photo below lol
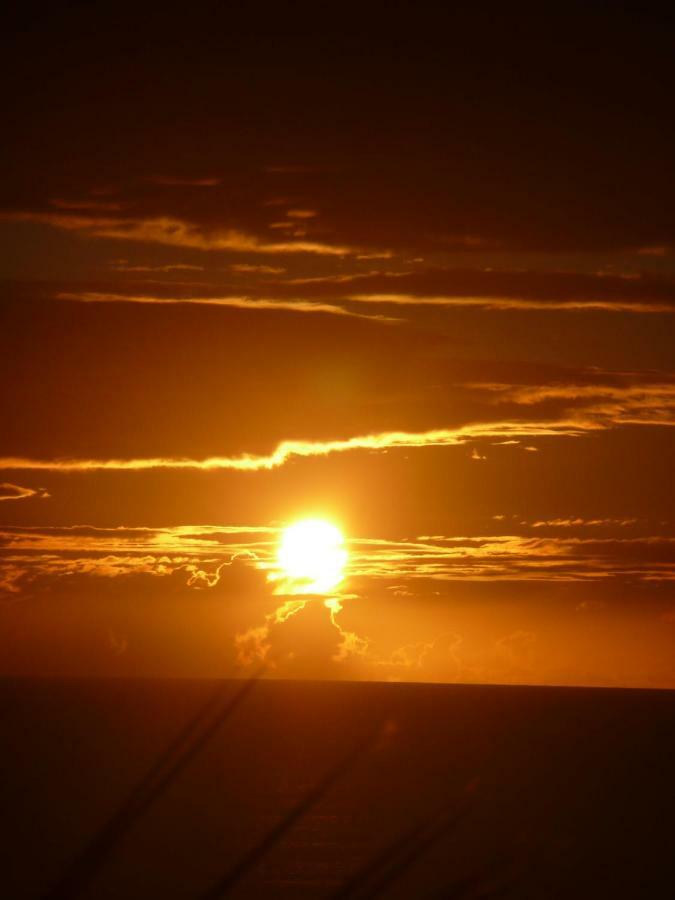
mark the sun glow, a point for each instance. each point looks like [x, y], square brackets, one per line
[312, 556]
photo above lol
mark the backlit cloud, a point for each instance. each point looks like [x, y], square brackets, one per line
[504, 303]
[123, 266]
[252, 303]
[18, 492]
[173, 232]
[496, 289]
[249, 268]
[288, 450]
[202, 550]
[579, 522]
[516, 558]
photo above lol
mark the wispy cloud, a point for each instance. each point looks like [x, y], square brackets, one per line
[512, 303]
[302, 213]
[579, 522]
[252, 268]
[516, 558]
[19, 492]
[182, 181]
[179, 539]
[494, 289]
[630, 399]
[120, 266]
[655, 250]
[251, 303]
[200, 553]
[173, 232]
[288, 450]
[643, 388]
[324, 280]
[87, 205]
[549, 404]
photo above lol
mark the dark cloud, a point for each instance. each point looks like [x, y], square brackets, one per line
[448, 127]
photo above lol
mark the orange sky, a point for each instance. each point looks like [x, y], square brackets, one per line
[416, 277]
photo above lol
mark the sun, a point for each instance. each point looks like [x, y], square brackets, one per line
[312, 556]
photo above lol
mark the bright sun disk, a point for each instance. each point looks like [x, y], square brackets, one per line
[312, 556]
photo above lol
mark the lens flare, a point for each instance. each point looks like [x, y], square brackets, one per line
[312, 557]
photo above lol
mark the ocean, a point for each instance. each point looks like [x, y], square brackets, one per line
[165, 789]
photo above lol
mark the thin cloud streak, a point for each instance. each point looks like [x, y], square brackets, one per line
[644, 392]
[599, 407]
[579, 522]
[287, 450]
[175, 267]
[201, 554]
[640, 403]
[509, 303]
[510, 557]
[248, 541]
[18, 492]
[301, 306]
[172, 232]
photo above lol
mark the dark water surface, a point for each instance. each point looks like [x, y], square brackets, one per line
[560, 792]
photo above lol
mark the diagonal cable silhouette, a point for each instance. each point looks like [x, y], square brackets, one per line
[181, 751]
[379, 873]
[251, 858]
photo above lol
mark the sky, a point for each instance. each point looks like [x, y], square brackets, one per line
[409, 270]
